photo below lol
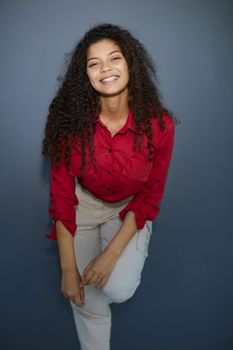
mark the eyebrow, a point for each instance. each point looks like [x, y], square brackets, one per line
[96, 58]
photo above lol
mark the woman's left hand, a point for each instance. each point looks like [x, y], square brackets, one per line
[99, 269]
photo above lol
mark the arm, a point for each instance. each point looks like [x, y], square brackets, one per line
[145, 203]
[63, 199]
[123, 236]
[62, 210]
[70, 280]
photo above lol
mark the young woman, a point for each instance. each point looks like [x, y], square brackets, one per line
[110, 141]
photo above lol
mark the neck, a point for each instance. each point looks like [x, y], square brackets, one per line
[115, 108]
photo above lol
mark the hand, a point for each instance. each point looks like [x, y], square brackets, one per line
[72, 287]
[99, 269]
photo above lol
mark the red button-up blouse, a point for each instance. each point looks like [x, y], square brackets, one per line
[120, 172]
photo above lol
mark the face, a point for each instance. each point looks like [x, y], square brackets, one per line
[107, 68]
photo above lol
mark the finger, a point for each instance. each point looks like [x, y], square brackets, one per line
[99, 284]
[98, 280]
[82, 283]
[87, 267]
[102, 282]
[77, 300]
[82, 295]
[88, 270]
[89, 277]
[85, 274]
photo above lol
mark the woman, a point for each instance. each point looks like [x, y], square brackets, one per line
[110, 141]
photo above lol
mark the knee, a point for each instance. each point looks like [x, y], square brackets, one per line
[118, 294]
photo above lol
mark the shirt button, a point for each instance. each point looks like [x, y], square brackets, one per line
[158, 181]
[108, 188]
[109, 172]
[54, 178]
[110, 150]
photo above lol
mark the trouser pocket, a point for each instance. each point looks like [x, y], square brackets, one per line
[143, 238]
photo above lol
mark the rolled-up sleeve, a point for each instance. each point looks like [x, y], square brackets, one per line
[63, 199]
[144, 204]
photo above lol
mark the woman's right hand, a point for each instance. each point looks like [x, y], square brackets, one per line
[71, 286]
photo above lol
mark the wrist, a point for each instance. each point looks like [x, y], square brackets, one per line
[69, 269]
[113, 251]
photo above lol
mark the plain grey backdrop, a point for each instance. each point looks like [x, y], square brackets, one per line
[185, 300]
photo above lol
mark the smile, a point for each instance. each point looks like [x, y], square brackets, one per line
[111, 78]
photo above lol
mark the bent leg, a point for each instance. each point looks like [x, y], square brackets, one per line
[126, 275]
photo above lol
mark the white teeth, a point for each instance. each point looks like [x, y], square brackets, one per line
[113, 77]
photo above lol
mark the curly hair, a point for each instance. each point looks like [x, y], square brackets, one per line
[75, 108]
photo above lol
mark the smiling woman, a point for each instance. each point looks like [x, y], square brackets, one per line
[107, 68]
[108, 73]
[110, 142]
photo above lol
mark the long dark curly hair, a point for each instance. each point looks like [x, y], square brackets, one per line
[75, 108]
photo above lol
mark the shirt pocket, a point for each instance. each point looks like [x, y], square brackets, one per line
[137, 168]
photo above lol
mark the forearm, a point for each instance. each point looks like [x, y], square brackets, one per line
[123, 235]
[66, 247]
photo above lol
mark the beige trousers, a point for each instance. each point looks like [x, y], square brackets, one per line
[98, 222]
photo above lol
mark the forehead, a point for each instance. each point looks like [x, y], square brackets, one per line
[102, 47]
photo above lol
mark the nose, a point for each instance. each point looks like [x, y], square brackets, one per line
[105, 68]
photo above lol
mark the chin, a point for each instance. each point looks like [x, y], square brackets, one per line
[114, 92]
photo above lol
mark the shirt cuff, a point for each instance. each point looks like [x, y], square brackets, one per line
[71, 227]
[139, 216]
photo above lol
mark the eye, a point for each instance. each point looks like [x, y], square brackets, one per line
[92, 65]
[116, 58]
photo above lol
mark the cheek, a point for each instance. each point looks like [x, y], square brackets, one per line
[126, 70]
[91, 77]
[126, 74]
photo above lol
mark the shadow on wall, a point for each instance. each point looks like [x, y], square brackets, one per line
[51, 248]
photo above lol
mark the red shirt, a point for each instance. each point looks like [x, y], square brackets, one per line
[120, 172]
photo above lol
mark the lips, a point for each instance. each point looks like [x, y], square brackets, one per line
[110, 78]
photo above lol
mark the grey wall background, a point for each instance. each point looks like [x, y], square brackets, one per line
[185, 299]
